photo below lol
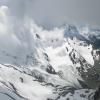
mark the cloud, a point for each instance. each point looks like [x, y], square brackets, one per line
[16, 38]
[51, 13]
[3, 19]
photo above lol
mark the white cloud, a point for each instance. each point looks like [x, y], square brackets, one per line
[3, 19]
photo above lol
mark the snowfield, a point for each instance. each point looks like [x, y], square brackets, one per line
[16, 84]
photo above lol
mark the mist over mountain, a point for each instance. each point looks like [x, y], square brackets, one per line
[38, 63]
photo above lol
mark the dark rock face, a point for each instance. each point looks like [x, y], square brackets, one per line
[71, 31]
[83, 84]
[50, 69]
[97, 94]
[37, 35]
[95, 42]
[46, 56]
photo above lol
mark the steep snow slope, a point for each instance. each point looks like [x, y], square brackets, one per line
[36, 64]
[16, 84]
[21, 85]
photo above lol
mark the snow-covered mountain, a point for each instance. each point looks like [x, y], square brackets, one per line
[37, 64]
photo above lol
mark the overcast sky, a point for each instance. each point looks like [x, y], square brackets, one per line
[51, 13]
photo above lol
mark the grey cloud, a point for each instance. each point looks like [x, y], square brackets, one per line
[49, 13]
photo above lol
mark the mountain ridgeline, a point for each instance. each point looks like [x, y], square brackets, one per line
[37, 64]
